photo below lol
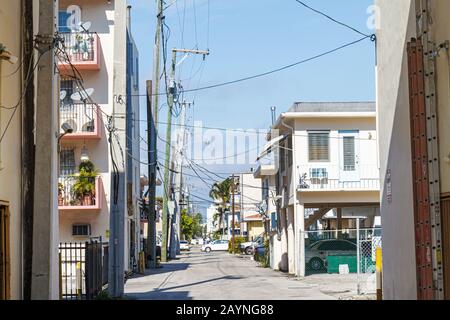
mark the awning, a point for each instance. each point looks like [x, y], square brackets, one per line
[269, 145]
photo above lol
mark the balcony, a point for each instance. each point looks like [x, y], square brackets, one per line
[80, 50]
[77, 193]
[84, 119]
[338, 178]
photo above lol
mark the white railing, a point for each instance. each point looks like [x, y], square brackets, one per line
[332, 177]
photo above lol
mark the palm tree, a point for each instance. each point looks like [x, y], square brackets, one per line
[221, 191]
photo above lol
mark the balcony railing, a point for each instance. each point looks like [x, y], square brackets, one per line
[83, 119]
[336, 178]
[79, 193]
[81, 49]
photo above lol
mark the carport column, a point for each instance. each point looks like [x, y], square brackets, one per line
[284, 241]
[291, 239]
[299, 211]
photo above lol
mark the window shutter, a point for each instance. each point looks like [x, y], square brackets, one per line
[349, 153]
[319, 146]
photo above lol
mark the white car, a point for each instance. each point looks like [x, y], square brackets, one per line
[217, 245]
[184, 246]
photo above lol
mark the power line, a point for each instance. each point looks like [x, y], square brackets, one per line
[275, 70]
[333, 19]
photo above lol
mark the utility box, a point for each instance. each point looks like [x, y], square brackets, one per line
[334, 262]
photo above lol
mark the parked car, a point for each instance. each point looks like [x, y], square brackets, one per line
[217, 245]
[249, 247]
[184, 246]
[316, 254]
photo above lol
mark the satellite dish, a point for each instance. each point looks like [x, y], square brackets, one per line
[62, 95]
[85, 26]
[82, 95]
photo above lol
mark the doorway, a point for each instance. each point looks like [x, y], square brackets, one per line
[349, 156]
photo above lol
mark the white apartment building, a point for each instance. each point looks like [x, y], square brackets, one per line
[109, 75]
[320, 157]
[211, 224]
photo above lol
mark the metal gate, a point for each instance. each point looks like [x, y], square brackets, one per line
[83, 270]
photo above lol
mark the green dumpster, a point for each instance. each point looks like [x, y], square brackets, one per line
[334, 262]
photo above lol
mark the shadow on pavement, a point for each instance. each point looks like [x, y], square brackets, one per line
[157, 295]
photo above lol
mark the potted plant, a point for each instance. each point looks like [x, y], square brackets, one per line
[60, 194]
[84, 187]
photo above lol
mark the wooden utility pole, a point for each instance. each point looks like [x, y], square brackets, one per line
[165, 215]
[172, 92]
[28, 150]
[152, 161]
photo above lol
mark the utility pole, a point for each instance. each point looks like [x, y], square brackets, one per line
[157, 61]
[175, 239]
[233, 190]
[45, 284]
[172, 91]
[116, 279]
[28, 151]
[152, 161]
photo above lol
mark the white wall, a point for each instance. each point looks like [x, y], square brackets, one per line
[366, 142]
[399, 265]
[10, 148]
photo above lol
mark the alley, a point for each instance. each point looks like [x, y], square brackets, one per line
[201, 276]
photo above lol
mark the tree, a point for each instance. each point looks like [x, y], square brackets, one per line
[221, 191]
[191, 225]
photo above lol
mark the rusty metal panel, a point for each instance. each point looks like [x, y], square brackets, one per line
[445, 206]
[419, 149]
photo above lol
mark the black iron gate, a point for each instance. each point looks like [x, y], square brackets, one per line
[83, 270]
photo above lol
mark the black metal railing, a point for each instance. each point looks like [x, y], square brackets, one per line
[81, 117]
[76, 191]
[79, 47]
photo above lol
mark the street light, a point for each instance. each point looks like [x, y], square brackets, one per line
[84, 154]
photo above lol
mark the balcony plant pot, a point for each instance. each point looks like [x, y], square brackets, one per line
[84, 187]
[60, 194]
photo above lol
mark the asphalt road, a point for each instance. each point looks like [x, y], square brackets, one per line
[219, 276]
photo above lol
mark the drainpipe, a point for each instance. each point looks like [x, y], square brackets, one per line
[299, 215]
[129, 19]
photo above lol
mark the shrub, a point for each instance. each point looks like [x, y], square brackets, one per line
[237, 244]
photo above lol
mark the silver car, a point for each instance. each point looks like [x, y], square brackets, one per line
[316, 254]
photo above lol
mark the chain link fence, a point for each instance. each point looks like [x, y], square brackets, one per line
[348, 254]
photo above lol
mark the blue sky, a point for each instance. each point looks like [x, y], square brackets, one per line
[248, 37]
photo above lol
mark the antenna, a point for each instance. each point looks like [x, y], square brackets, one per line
[83, 96]
[62, 95]
[84, 26]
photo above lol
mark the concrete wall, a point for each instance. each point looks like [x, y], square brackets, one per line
[397, 26]
[10, 147]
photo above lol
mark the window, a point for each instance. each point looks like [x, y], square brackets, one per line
[349, 154]
[282, 156]
[63, 19]
[290, 158]
[68, 86]
[273, 221]
[5, 267]
[319, 176]
[67, 164]
[319, 146]
[81, 230]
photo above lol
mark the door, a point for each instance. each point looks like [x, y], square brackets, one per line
[349, 156]
[5, 267]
